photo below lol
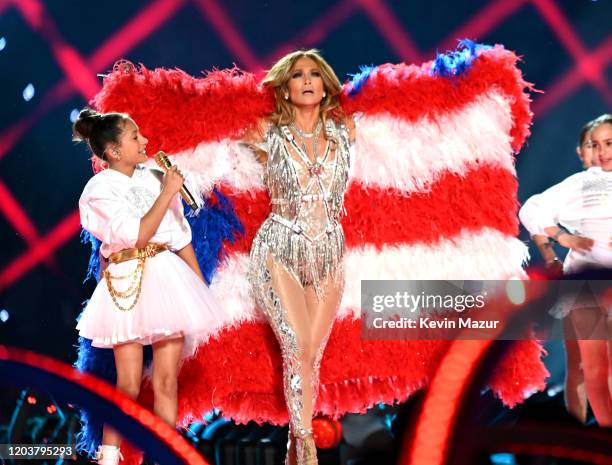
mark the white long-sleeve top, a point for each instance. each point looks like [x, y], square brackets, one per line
[582, 204]
[113, 203]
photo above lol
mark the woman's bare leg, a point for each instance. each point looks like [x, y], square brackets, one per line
[322, 310]
[590, 327]
[575, 391]
[282, 299]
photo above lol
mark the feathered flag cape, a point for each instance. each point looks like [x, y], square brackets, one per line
[432, 195]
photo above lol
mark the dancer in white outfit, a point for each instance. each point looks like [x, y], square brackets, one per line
[574, 390]
[582, 204]
[152, 291]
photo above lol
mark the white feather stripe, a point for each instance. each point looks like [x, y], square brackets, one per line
[232, 290]
[487, 254]
[225, 162]
[392, 153]
[389, 152]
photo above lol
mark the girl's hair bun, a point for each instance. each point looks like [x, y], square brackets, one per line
[85, 122]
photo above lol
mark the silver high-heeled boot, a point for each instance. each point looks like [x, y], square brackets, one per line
[305, 449]
[290, 457]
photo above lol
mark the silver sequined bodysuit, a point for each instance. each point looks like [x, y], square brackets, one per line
[303, 234]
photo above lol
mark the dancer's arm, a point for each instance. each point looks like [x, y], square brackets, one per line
[352, 130]
[553, 264]
[541, 213]
[571, 241]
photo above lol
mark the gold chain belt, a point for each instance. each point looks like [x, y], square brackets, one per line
[150, 250]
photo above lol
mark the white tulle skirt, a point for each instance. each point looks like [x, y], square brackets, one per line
[173, 302]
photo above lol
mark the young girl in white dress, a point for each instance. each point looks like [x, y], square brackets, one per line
[152, 290]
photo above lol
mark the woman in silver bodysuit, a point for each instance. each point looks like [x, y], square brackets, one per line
[296, 269]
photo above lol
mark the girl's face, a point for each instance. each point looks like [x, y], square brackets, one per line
[601, 142]
[305, 83]
[132, 144]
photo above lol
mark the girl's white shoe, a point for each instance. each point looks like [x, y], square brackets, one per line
[108, 455]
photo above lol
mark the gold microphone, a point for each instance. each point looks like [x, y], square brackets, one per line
[164, 163]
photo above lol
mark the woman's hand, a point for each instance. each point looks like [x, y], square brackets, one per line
[173, 181]
[574, 242]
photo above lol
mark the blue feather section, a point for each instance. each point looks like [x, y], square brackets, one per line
[93, 268]
[457, 62]
[216, 222]
[358, 80]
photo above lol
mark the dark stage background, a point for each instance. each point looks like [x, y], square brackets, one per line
[50, 53]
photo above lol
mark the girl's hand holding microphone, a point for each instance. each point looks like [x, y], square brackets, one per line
[173, 181]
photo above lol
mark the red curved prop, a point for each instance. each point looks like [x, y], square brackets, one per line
[442, 402]
[429, 441]
[134, 422]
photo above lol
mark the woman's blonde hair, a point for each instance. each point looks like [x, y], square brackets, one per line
[278, 76]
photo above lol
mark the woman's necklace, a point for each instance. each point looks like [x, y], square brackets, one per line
[307, 135]
[316, 133]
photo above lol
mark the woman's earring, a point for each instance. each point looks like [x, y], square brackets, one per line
[324, 94]
[286, 96]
